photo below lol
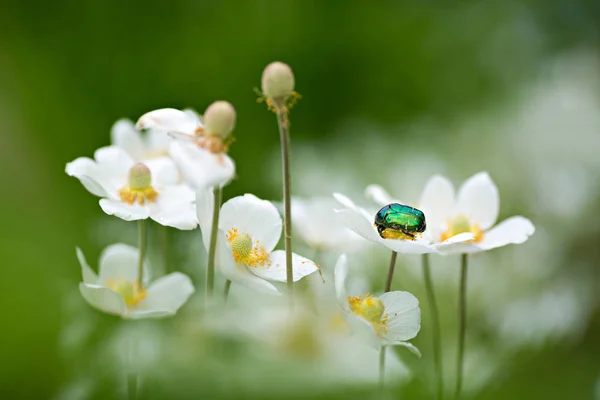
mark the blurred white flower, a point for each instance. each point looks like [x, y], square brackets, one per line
[115, 290]
[200, 157]
[249, 230]
[136, 191]
[390, 319]
[315, 222]
[360, 222]
[140, 146]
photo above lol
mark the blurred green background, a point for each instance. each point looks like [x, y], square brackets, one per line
[406, 77]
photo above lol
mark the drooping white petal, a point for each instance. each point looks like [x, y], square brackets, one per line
[124, 135]
[204, 212]
[340, 274]
[239, 273]
[163, 170]
[511, 230]
[478, 199]
[103, 298]
[168, 293]
[253, 216]
[168, 119]
[412, 348]
[125, 211]
[201, 168]
[403, 315]
[86, 171]
[379, 195]
[120, 261]
[437, 203]
[175, 207]
[89, 276]
[276, 270]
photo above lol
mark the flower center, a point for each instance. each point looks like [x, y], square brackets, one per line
[371, 309]
[246, 251]
[139, 186]
[131, 291]
[461, 224]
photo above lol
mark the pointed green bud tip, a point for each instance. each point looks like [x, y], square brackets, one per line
[219, 119]
[139, 177]
[278, 81]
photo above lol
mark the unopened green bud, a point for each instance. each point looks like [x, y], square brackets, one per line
[219, 119]
[139, 177]
[278, 81]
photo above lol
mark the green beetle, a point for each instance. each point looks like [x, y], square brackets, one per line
[398, 221]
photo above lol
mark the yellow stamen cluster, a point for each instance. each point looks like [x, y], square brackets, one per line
[371, 309]
[246, 251]
[131, 291]
[141, 196]
[461, 224]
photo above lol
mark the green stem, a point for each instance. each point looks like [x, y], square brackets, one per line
[381, 366]
[284, 124]
[142, 250]
[462, 323]
[227, 288]
[388, 287]
[212, 248]
[163, 238]
[435, 323]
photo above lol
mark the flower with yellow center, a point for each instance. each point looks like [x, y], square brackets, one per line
[115, 289]
[249, 230]
[472, 211]
[201, 149]
[390, 319]
[134, 191]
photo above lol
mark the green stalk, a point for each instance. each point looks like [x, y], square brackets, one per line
[142, 250]
[227, 287]
[163, 238]
[388, 287]
[462, 328]
[212, 248]
[284, 124]
[435, 324]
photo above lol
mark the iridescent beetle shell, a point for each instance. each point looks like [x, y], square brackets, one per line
[398, 221]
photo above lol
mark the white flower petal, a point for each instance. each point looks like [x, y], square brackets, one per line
[113, 160]
[167, 293]
[120, 261]
[413, 349]
[379, 195]
[163, 170]
[205, 201]
[358, 223]
[89, 276]
[124, 211]
[418, 246]
[403, 315]
[363, 329]
[276, 271]
[478, 199]
[175, 207]
[103, 298]
[340, 274]
[456, 244]
[168, 119]
[156, 144]
[345, 201]
[201, 168]
[253, 216]
[437, 203]
[86, 170]
[237, 273]
[512, 230]
[143, 314]
[124, 136]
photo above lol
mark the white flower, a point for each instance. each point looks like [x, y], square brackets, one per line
[140, 146]
[473, 210]
[362, 223]
[315, 222]
[115, 290]
[136, 191]
[390, 319]
[249, 229]
[201, 159]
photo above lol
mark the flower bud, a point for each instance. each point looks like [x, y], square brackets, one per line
[139, 177]
[278, 81]
[219, 119]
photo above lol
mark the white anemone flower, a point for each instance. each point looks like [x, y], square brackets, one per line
[249, 230]
[315, 222]
[115, 289]
[361, 222]
[140, 146]
[474, 209]
[201, 158]
[390, 319]
[133, 191]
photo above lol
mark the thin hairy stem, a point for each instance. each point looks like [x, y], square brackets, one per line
[435, 324]
[462, 327]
